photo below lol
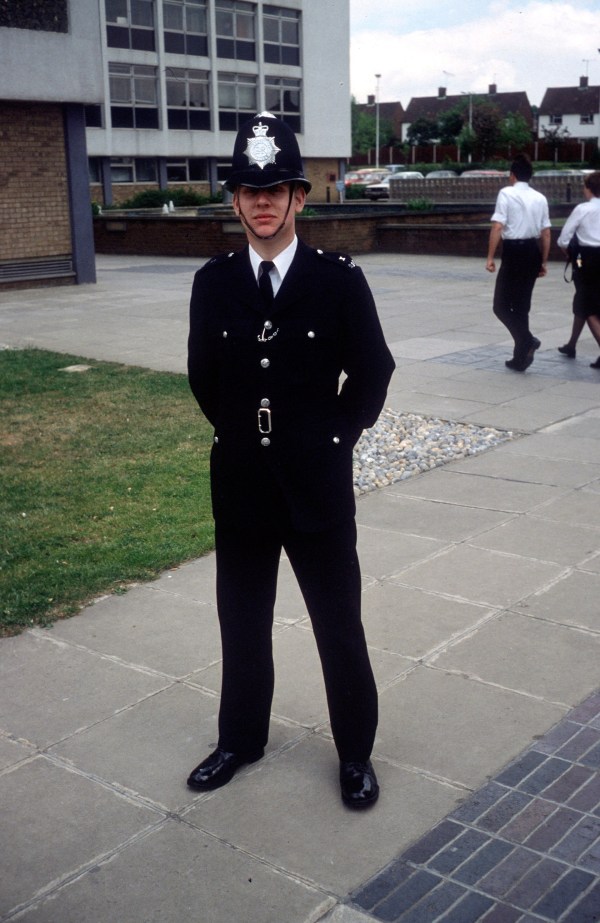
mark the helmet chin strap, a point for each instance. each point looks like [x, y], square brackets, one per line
[281, 226]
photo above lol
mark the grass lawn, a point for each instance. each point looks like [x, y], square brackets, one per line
[104, 480]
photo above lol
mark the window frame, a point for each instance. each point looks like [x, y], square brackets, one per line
[281, 51]
[130, 33]
[135, 111]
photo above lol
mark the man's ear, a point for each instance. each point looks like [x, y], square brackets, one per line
[299, 197]
[236, 202]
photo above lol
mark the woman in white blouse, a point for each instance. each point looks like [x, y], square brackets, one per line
[584, 224]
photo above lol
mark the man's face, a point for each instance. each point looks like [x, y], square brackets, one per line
[265, 209]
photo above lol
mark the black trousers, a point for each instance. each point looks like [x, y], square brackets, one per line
[520, 267]
[326, 567]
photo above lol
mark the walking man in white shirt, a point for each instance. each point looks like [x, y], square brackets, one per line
[521, 220]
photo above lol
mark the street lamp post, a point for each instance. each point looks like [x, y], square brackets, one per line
[470, 95]
[377, 77]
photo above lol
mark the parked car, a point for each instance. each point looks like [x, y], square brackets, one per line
[469, 173]
[378, 190]
[382, 190]
[441, 174]
[559, 173]
[370, 175]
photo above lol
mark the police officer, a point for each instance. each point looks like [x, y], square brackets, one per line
[522, 222]
[273, 330]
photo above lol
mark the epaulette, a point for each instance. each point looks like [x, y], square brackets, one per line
[342, 259]
[217, 261]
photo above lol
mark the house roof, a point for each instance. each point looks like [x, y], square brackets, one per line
[431, 107]
[581, 100]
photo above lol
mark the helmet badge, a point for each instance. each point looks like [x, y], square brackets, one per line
[261, 149]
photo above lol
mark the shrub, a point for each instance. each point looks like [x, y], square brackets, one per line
[181, 197]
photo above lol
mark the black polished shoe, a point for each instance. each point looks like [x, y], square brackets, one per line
[569, 351]
[514, 365]
[219, 768]
[535, 344]
[359, 784]
[596, 364]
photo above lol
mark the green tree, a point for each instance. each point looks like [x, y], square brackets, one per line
[450, 124]
[515, 132]
[364, 129]
[486, 125]
[423, 131]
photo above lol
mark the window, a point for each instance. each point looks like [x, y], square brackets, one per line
[555, 119]
[93, 116]
[282, 35]
[586, 119]
[188, 100]
[236, 30]
[282, 98]
[237, 100]
[133, 170]
[133, 100]
[94, 169]
[186, 29]
[130, 24]
[187, 170]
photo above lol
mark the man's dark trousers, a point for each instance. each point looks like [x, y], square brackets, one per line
[326, 566]
[520, 267]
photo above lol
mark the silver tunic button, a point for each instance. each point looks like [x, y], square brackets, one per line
[224, 334]
[336, 439]
[311, 334]
[268, 325]
[265, 402]
[216, 438]
[265, 363]
[265, 441]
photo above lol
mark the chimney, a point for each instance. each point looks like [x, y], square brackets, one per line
[441, 92]
[493, 89]
[583, 83]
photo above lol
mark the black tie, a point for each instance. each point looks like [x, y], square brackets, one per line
[264, 282]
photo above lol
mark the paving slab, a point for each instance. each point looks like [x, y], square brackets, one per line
[480, 588]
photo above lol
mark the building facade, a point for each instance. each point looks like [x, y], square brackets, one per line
[50, 70]
[571, 111]
[181, 76]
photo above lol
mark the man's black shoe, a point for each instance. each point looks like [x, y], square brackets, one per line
[219, 768]
[514, 365]
[359, 784]
[596, 364]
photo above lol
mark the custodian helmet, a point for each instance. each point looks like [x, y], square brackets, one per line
[266, 153]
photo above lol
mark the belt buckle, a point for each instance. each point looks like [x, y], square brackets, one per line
[264, 420]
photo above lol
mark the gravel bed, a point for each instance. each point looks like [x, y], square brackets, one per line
[401, 445]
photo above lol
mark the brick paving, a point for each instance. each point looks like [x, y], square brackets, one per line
[524, 848]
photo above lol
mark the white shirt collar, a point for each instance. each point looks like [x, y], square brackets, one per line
[282, 261]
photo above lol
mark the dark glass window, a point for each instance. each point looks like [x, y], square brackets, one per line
[133, 96]
[281, 31]
[186, 27]
[236, 30]
[237, 100]
[93, 116]
[283, 98]
[130, 24]
[133, 170]
[188, 99]
[187, 170]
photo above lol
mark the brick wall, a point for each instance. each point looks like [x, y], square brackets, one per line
[203, 237]
[34, 207]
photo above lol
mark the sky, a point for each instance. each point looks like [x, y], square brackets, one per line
[464, 45]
